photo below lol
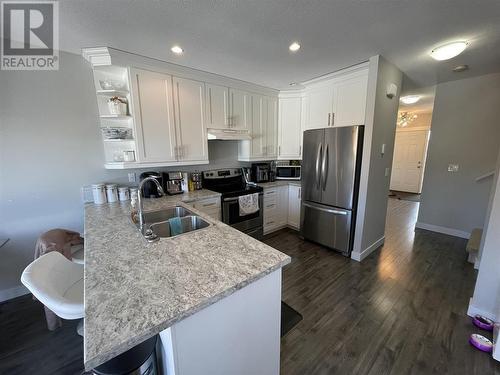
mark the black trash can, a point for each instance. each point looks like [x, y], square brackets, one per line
[140, 360]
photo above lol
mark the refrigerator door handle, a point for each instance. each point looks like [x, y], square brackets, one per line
[329, 210]
[324, 167]
[318, 157]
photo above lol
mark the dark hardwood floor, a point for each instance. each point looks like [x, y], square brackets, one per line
[401, 311]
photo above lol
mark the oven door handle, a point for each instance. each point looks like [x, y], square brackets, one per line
[233, 199]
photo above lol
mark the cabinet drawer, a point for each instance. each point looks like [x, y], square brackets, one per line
[207, 204]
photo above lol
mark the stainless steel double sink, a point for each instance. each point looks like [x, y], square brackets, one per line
[170, 222]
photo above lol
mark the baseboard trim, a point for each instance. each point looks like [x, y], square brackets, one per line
[370, 249]
[11, 293]
[444, 230]
[474, 310]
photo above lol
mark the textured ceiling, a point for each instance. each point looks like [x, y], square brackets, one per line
[248, 39]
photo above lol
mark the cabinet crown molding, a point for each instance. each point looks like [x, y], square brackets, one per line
[337, 74]
[97, 56]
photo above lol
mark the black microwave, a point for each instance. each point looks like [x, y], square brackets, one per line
[288, 172]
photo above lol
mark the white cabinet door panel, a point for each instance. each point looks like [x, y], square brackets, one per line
[259, 118]
[217, 107]
[190, 119]
[350, 100]
[319, 106]
[153, 113]
[290, 129]
[240, 109]
[272, 127]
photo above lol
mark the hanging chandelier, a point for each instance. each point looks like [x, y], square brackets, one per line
[405, 118]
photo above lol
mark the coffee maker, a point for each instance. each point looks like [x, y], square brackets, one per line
[261, 172]
[172, 182]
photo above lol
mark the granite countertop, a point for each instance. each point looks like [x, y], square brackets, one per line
[135, 289]
[279, 183]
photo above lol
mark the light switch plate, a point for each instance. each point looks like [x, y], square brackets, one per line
[131, 177]
[382, 149]
[387, 171]
[452, 167]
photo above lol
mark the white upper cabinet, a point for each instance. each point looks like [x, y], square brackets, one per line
[272, 127]
[340, 101]
[190, 119]
[350, 100]
[290, 128]
[217, 98]
[263, 123]
[259, 124]
[240, 103]
[153, 114]
[319, 106]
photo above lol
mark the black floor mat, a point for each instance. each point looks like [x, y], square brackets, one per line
[289, 318]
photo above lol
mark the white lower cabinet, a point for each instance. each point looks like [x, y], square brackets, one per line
[209, 206]
[275, 208]
[294, 200]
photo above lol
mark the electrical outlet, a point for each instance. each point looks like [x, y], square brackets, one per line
[87, 196]
[131, 177]
[452, 167]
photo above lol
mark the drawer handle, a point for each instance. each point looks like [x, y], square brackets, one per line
[269, 206]
[270, 222]
[209, 204]
[271, 192]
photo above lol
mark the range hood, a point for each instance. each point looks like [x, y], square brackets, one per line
[229, 134]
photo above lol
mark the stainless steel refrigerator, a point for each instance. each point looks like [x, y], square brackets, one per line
[330, 179]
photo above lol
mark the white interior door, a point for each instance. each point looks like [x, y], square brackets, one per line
[153, 115]
[190, 119]
[408, 163]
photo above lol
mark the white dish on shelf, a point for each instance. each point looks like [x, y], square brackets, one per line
[111, 85]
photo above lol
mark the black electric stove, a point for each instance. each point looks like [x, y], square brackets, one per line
[231, 184]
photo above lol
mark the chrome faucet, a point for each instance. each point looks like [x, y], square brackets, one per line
[139, 198]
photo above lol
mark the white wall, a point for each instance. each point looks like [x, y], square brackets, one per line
[486, 299]
[465, 131]
[50, 146]
[380, 126]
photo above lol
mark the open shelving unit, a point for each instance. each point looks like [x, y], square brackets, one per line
[114, 149]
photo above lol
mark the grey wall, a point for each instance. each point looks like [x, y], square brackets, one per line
[465, 131]
[50, 146]
[380, 129]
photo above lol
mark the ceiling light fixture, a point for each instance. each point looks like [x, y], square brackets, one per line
[460, 68]
[405, 118]
[448, 51]
[177, 50]
[294, 47]
[410, 99]
[293, 83]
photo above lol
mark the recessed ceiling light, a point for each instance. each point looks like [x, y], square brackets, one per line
[410, 99]
[460, 68]
[177, 50]
[294, 47]
[293, 83]
[448, 51]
